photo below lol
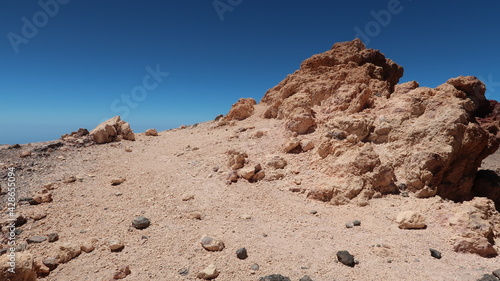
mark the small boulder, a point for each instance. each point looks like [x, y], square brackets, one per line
[118, 181]
[435, 253]
[115, 245]
[211, 244]
[292, 145]
[151, 132]
[43, 198]
[274, 277]
[53, 237]
[410, 220]
[67, 252]
[87, 247]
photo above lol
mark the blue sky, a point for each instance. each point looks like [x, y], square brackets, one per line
[70, 64]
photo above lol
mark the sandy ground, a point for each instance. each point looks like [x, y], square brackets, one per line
[278, 227]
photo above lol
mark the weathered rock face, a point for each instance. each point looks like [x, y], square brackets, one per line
[241, 110]
[23, 267]
[375, 136]
[112, 130]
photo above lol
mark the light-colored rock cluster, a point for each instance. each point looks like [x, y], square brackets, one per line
[373, 135]
[112, 130]
[241, 110]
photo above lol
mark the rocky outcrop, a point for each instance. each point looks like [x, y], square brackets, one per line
[241, 110]
[112, 130]
[374, 136]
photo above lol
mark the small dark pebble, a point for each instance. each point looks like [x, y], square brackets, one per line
[356, 223]
[255, 267]
[241, 253]
[3, 251]
[36, 239]
[346, 258]
[14, 146]
[141, 222]
[435, 253]
[20, 221]
[497, 273]
[184, 272]
[274, 277]
[488, 277]
[405, 194]
[53, 237]
[305, 278]
[313, 212]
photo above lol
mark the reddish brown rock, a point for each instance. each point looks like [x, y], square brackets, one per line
[241, 110]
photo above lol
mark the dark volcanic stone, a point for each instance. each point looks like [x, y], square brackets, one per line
[29, 200]
[435, 253]
[242, 253]
[346, 258]
[356, 223]
[141, 222]
[488, 277]
[274, 277]
[36, 239]
[20, 220]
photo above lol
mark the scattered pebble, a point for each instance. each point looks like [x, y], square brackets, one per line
[349, 225]
[53, 237]
[128, 149]
[141, 222]
[183, 271]
[313, 212]
[305, 278]
[274, 277]
[115, 245]
[246, 217]
[211, 244]
[210, 272]
[36, 239]
[43, 198]
[497, 273]
[241, 253]
[195, 216]
[356, 223]
[87, 247]
[435, 253]
[187, 197]
[38, 215]
[69, 179]
[255, 267]
[346, 258]
[118, 181]
[122, 272]
[151, 132]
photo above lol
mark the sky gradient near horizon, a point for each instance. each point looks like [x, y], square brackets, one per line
[69, 64]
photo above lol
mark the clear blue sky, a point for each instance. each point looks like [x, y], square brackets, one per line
[72, 70]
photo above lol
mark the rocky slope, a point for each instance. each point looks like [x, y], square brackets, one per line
[337, 159]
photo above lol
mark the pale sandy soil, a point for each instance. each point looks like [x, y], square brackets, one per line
[282, 236]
